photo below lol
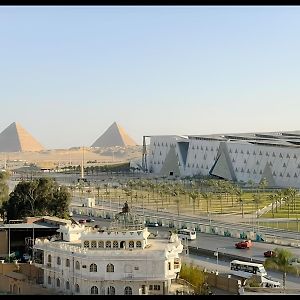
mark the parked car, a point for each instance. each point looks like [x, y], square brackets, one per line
[90, 220]
[269, 253]
[152, 224]
[295, 261]
[82, 221]
[244, 244]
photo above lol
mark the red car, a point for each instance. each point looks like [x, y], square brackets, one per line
[82, 221]
[244, 244]
[269, 253]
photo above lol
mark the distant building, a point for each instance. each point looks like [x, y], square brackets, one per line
[88, 202]
[120, 260]
[274, 156]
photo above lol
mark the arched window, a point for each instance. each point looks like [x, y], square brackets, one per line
[128, 290]
[131, 244]
[115, 244]
[67, 285]
[138, 244]
[111, 290]
[108, 244]
[110, 268]
[100, 244]
[77, 265]
[94, 290]
[93, 244]
[86, 244]
[93, 268]
[77, 288]
[67, 262]
[58, 282]
[49, 280]
[58, 260]
[49, 258]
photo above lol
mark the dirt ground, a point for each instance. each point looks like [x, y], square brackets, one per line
[72, 156]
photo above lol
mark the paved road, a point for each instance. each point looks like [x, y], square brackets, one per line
[211, 242]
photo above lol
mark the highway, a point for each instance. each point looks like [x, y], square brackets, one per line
[268, 232]
[220, 244]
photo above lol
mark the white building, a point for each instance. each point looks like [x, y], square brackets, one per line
[120, 260]
[88, 202]
[236, 157]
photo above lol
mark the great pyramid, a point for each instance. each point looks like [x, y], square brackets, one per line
[16, 139]
[115, 135]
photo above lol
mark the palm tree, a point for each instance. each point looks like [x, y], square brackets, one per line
[281, 262]
[239, 194]
[193, 195]
[272, 197]
[256, 201]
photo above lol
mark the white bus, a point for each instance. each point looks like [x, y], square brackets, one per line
[189, 234]
[247, 269]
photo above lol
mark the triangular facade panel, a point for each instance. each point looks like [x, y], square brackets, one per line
[115, 135]
[171, 164]
[267, 174]
[223, 167]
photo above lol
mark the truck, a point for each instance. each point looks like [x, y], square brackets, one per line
[246, 244]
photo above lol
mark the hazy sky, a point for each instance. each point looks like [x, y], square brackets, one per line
[67, 73]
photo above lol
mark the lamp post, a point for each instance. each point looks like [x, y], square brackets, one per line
[216, 253]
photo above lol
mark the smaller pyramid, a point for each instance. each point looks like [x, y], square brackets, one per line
[115, 135]
[16, 139]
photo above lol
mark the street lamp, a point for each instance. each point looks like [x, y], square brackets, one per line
[216, 253]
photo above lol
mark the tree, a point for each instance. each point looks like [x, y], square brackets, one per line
[4, 190]
[281, 262]
[42, 196]
[193, 195]
[239, 194]
[195, 276]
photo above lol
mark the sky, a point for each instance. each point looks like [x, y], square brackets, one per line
[68, 72]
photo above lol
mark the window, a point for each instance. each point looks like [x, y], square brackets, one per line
[108, 244]
[143, 289]
[128, 290]
[93, 268]
[156, 287]
[110, 268]
[111, 290]
[58, 260]
[49, 258]
[77, 288]
[100, 244]
[115, 244]
[93, 244]
[169, 265]
[77, 265]
[67, 262]
[150, 287]
[94, 290]
[86, 244]
[49, 280]
[138, 244]
[131, 244]
[57, 282]
[67, 285]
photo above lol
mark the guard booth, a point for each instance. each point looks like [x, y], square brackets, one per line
[88, 202]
